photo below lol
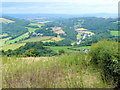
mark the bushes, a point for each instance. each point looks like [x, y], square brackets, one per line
[105, 55]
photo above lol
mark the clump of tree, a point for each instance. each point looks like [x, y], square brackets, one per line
[105, 55]
[61, 51]
[31, 49]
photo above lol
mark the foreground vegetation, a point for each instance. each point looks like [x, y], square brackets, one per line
[98, 69]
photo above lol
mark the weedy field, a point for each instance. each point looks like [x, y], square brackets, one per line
[68, 70]
[65, 71]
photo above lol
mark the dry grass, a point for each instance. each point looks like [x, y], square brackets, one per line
[66, 71]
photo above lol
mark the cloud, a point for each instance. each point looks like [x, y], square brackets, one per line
[60, 6]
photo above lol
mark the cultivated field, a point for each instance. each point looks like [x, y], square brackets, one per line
[18, 38]
[35, 24]
[35, 39]
[31, 29]
[115, 33]
[3, 35]
[80, 29]
[54, 39]
[11, 46]
[3, 41]
[3, 20]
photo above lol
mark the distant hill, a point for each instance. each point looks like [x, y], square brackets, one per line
[13, 29]
[3, 20]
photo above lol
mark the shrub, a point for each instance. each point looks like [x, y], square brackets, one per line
[105, 55]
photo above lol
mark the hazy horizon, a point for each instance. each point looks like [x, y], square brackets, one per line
[76, 7]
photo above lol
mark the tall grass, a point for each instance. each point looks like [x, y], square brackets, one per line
[66, 71]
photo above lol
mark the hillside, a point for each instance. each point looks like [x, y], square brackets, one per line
[3, 20]
[70, 70]
[59, 54]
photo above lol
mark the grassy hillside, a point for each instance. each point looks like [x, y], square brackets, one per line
[66, 71]
[98, 69]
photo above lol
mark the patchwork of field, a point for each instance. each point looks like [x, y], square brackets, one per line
[82, 31]
[3, 20]
[18, 38]
[54, 39]
[12, 46]
[35, 39]
[115, 33]
[58, 30]
[3, 41]
[3, 35]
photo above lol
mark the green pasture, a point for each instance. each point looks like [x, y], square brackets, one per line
[12, 46]
[66, 48]
[18, 38]
[31, 29]
[35, 39]
[35, 24]
[115, 33]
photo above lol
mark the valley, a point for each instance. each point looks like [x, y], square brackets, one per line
[44, 52]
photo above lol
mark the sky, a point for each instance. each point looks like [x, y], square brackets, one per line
[59, 6]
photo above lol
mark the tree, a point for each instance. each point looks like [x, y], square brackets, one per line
[30, 52]
[61, 51]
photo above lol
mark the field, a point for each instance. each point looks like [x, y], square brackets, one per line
[35, 24]
[18, 38]
[3, 35]
[66, 71]
[3, 20]
[57, 48]
[35, 39]
[80, 29]
[44, 22]
[12, 46]
[31, 29]
[66, 48]
[3, 41]
[78, 36]
[115, 33]
[54, 39]
[58, 30]
[86, 47]
[58, 38]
